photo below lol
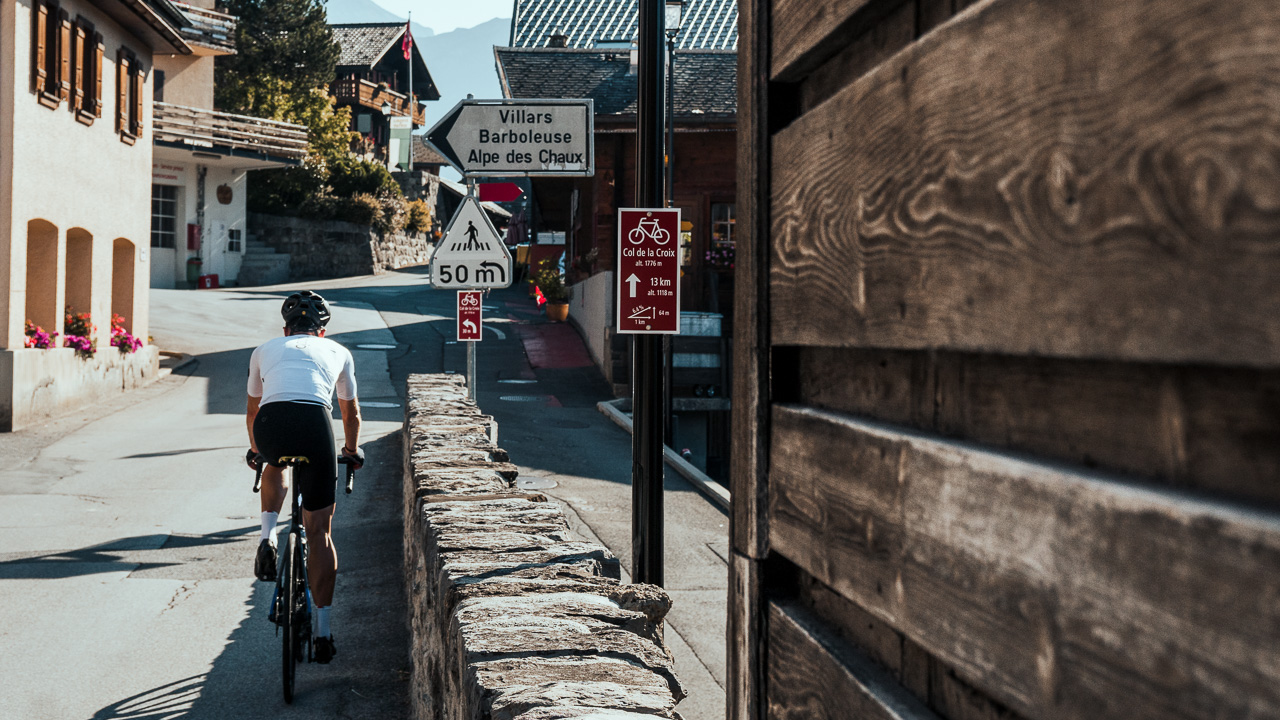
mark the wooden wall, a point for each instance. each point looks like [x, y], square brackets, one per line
[1007, 360]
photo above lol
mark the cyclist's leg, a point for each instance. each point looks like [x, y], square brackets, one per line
[322, 558]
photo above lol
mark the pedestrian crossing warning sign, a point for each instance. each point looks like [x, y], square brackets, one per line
[471, 255]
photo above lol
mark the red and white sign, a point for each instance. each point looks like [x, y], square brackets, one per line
[649, 270]
[469, 315]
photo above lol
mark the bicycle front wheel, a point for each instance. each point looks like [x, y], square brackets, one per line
[289, 617]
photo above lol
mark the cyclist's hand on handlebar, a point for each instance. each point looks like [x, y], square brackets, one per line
[251, 459]
[357, 456]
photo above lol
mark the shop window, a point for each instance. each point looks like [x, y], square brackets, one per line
[86, 86]
[722, 225]
[122, 263]
[164, 216]
[51, 71]
[129, 89]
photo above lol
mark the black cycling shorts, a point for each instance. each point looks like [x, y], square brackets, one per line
[300, 428]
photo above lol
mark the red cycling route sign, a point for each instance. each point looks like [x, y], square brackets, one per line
[469, 315]
[648, 270]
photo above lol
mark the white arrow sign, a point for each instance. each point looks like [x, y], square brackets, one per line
[632, 281]
[471, 255]
[493, 138]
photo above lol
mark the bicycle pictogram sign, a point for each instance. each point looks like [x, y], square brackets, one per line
[650, 229]
[648, 286]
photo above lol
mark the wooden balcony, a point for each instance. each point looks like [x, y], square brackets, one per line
[207, 31]
[231, 135]
[354, 91]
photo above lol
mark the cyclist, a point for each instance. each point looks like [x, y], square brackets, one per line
[291, 382]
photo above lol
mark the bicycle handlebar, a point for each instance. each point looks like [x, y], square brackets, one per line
[342, 459]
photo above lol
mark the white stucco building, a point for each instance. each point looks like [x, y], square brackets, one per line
[202, 156]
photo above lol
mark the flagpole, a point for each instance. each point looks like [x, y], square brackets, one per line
[413, 103]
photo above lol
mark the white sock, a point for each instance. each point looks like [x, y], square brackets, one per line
[269, 526]
[322, 621]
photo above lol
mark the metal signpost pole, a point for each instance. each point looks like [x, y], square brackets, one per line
[471, 371]
[646, 361]
[413, 102]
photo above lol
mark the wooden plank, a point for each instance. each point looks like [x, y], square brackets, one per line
[1210, 429]
[744, 695]
[892, 33]
[808, 31]
[1058, 593]
[1089, 179]
[813, 676]
[748, 523]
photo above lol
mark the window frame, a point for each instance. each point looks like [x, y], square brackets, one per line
[130, 89]
[86, 89]
[173, 239]
[51, 33]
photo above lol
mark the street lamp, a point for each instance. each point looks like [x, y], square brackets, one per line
[674, 9]
[386, 108]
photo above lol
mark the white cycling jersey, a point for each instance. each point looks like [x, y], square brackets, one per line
[302, 368]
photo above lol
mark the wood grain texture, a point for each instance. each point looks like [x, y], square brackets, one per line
[1210, 429]
[1059, 594]
[804, 31]
[744, 695]
[748, 533]
[1089, 179]
[894, 32]
[814, 676]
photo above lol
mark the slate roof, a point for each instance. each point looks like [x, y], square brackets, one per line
[365, 43]
[424, 154]
[705, 86]
[707, 24]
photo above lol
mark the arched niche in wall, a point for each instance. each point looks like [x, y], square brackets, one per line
[42, 275]
[123, 261]
[80, 271]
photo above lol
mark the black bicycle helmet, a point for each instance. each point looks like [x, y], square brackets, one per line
[303, 310]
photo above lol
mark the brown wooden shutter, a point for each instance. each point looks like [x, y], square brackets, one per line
[64, 48]
[39, 30]
[122, 91]
[99, 51]
[79, 51]
[139, 81]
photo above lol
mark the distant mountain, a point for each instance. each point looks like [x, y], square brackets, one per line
[461, 62]
[342, 12]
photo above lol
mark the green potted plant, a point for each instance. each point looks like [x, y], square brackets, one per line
[551, 284]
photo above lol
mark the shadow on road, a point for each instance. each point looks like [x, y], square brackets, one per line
[368, 678]
[123, 554]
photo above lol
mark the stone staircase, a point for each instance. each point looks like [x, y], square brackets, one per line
[262, 265]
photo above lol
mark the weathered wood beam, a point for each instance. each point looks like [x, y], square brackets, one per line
[1088, 179]
[815, 676]
[1061, 593]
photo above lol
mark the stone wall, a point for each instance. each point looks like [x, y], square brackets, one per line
[36, 385]
[330, 248]
[513, 616]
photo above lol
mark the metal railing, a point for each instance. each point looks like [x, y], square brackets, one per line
[371, 95]
[225, 132]
[209, 28]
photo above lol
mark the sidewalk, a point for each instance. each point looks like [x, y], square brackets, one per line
[543, 389]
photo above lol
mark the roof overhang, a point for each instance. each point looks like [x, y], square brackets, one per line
[221, 157]
[155, 22]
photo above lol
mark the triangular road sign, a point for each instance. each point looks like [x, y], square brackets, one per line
[471, 255]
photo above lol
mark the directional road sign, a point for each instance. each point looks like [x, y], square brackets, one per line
[471, 255]
[499, 192]
[649, 270]
[494, 138]
[470, 315]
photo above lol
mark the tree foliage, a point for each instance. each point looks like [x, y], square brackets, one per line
[285, 40]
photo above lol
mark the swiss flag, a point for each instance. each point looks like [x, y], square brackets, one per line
[407, 43]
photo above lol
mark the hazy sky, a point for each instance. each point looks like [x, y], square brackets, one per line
[445, 15]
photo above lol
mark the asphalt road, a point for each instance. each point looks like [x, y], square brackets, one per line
[127, 530]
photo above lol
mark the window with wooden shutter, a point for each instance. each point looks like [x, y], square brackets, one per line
[64, 55]
[123, 61]
[99, 50]
[79, 39]
[39, 71]
[137, 97]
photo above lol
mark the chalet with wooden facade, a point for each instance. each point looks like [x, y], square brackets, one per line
[201, 161]
[1007, 361]
[75, 179]
[373, 80]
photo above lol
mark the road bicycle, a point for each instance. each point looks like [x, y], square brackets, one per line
[291, 605]
[648, 229]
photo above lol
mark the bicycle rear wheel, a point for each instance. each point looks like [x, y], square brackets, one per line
[289, 617]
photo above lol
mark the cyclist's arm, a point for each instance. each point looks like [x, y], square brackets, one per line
[350, 410]
[251, 412]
